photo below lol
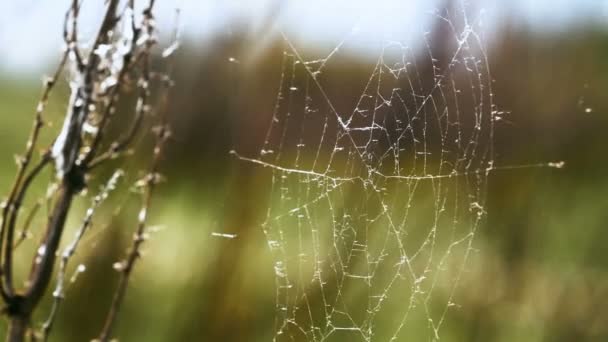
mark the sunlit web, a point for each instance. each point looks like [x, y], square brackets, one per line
[374, 209]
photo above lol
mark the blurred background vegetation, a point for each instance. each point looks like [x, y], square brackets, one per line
[540, 267]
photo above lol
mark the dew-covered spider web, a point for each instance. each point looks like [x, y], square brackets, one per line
[376, 199]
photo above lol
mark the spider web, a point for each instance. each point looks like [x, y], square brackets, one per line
[373, 209]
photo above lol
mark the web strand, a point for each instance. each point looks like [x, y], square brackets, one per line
[374, 210]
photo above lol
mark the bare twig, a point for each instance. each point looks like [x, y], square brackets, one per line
[125, 267]
[10, 207]
[65, 152]
[12, 219]
[129, 59]
[28, 222]
[95, 89]
[141, 109]
[69, 251]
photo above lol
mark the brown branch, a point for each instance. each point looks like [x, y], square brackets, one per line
[9, 207]
[129, 60]
[64, 151]
[7, 257]
[125, 267]
[28, 222]
[17, 329]
[74, 153]
[71, 174]
[140, 111]
[71, 36]
[43, 263]
[70, 250]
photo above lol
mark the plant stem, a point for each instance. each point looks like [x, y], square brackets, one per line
[17, 328]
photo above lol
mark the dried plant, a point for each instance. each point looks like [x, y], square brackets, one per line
[118, 57]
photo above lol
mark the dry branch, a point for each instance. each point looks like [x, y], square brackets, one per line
[121, 52]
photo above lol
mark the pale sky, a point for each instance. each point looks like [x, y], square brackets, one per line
[30, 30]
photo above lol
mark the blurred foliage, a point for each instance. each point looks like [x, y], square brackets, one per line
[540, 270]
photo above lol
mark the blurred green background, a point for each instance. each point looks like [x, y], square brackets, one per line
[539, 271]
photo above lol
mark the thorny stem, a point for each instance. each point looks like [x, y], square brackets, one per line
[12, 219]
[17, 329]
[125, 267]
[127, 60]
[74, 158]
[43, 264]
[71, 37]
[141, 108]
[20, 306]
[28, 222]
[70, 185]
[70, 250]
[10, 207]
